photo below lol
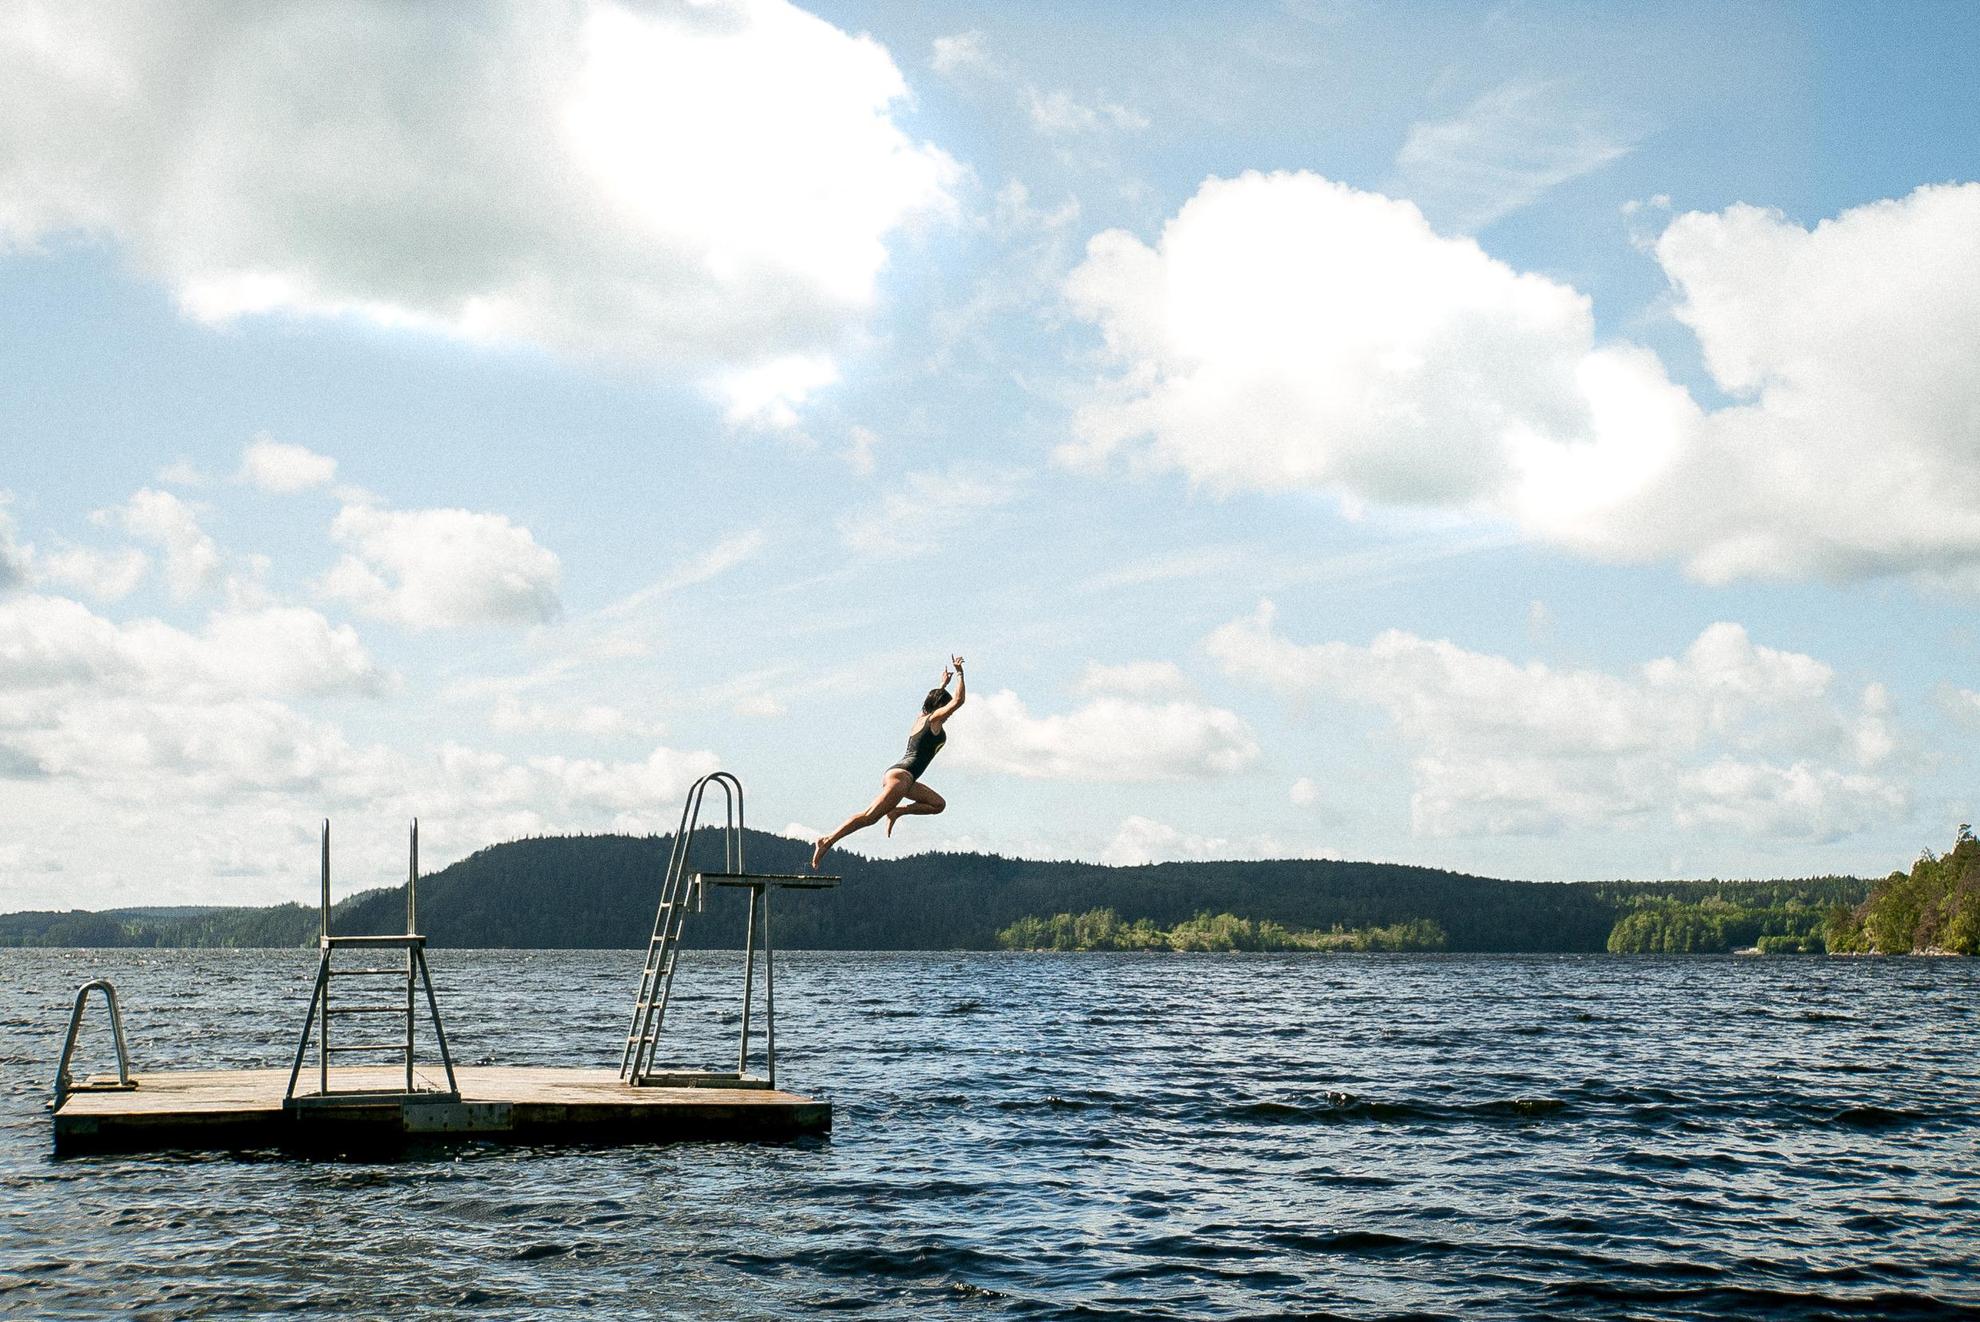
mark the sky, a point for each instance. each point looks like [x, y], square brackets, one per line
[1537, 440]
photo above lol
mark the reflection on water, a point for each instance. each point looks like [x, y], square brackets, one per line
[1033, 1135]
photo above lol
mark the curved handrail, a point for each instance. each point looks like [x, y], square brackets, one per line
[64, 1083]
[648, 1007]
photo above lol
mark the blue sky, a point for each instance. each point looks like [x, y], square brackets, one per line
[1526, 439]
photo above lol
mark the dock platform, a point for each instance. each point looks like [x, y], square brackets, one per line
[232, 1109]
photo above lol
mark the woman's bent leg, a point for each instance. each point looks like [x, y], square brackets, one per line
[892, 790]
[920, 801]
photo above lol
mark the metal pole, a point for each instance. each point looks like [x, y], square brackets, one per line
[439, 1032]
[326, 876]
[302, 1043]
[323, 1058]
[412, 913]
[412, 881]
[749, 979]
[769, 998]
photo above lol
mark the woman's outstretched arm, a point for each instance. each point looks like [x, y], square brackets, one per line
[948, 709]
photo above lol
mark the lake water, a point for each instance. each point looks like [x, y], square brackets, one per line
[1093, 1135]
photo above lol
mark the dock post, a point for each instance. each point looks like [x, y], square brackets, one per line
[323, 1043]
[412, 909]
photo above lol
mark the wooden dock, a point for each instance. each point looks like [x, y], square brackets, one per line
[231, 1109]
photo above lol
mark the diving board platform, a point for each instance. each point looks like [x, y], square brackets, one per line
[236, 1109]
[366, 1104]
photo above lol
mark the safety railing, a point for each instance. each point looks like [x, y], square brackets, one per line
[64, 1082]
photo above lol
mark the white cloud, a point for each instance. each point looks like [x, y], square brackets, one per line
[911, 516]
[49, 642]
[1142, 840]
[182, 472]
[706, 189]
[1502, 152]
[1059, 114]
[189, 743]
[768, 394]
[1293, 332]
[1109, 738]
[732, 551]
[1849, 351]
[103, 575]
[1963, 705]
[1288, 332]
[284, 469]
[1134, 679]
[192, 561]
[441, 567]
[1303, 793]
[1730, 734]
[961, 51]
[594, 720]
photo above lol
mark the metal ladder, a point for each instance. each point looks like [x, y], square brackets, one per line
[683, 891]
[401, 1016]
[65, 1083]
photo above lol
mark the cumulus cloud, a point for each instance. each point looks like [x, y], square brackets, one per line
[51, 643]
[1109, 738]
[284, 469]
[192, 561]
[103, 575]
[594, 720]
[1142, 840]
[193, 743]
[438, 568]
[705, 189]
[1729, 734]
[1503, 152]
[1287, 332]
[1138, 679]
[911, 516]
[1848, 349]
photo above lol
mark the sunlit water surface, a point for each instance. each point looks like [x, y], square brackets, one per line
[1047, 1135]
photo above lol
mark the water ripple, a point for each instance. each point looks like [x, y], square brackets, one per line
[1039, 1136]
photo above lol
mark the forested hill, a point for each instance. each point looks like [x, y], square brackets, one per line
[600, 891]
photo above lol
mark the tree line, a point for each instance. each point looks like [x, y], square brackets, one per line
[599, 892]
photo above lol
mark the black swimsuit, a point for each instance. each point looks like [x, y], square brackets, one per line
[923, 744]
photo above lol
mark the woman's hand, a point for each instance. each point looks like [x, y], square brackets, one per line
[956, 661]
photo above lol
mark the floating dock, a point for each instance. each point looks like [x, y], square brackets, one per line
[234, 1109]
[366, 1106]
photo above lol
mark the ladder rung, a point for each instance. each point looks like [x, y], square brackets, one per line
[338, 1047]
[368, 1009]
[360, 973]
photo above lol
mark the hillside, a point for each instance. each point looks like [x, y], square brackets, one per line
[599, 892]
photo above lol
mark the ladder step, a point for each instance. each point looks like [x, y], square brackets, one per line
[362, 973]
[341, 1010]
[337, 1048]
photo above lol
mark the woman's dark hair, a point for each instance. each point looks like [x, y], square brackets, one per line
[936, 698]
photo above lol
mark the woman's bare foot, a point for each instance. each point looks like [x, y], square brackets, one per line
[818, 853]
[893, 817]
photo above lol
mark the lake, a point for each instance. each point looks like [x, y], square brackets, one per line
[1045, 1135]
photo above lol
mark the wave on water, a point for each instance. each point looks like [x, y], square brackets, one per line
[1047, 1137]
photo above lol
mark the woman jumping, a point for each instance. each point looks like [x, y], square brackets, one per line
[901, 792]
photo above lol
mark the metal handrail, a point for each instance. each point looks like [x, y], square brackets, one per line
[64, 1083]
[676, 892]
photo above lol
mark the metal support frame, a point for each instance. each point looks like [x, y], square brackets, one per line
[684, 890]
[417, 977]
[64, 1082]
